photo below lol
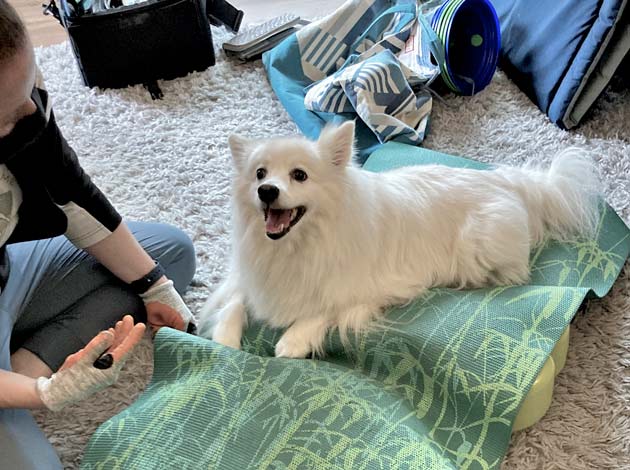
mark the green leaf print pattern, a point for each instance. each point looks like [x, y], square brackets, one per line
[436, 386]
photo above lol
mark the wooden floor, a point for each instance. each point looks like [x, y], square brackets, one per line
[45, 30]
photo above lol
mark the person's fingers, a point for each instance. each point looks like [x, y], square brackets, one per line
[97, 346]
[129, 342]
[127, 324]
[159, 314]
[122, 329]
[115, 329]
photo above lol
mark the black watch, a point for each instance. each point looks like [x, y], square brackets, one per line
[140, 286]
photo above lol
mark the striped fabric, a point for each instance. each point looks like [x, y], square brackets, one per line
[361, 63]
[378, 90]
[352, 58]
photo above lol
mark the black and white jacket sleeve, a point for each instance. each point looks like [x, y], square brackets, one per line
[90, 216]
[58, 196]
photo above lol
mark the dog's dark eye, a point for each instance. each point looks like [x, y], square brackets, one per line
[299, 175]
[261, 173]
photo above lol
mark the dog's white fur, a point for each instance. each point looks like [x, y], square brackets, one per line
[370, 240]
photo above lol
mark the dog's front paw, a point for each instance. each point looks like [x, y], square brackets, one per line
[226, 336]
[288, 347]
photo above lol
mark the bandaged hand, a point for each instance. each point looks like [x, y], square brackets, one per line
[90, 370]
[165, 307]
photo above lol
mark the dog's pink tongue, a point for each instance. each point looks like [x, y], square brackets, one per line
[278, 220]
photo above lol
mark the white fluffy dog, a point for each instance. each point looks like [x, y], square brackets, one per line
[319, 243]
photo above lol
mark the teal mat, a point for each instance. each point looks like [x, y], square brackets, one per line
[438, 389]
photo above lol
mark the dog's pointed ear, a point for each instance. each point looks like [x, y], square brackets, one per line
[337, 143]
[240, 148]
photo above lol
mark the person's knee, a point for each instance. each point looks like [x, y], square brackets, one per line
[171, 247]
[181, 262]
[23, 445]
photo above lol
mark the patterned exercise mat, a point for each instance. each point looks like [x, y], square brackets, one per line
[438, 387]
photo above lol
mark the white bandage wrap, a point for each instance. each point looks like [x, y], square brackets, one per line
[166, 294]
[75, 384]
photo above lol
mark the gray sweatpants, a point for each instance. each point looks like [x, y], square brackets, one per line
[56, 299]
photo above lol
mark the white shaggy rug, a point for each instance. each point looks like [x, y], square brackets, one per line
[168, 161]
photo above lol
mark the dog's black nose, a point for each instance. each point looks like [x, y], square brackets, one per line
[268, 193]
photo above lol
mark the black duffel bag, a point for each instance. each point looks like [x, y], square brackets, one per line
[141, 43]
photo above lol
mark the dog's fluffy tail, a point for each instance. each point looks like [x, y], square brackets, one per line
[562, 200]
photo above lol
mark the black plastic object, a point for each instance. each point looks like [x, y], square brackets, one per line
[157, 39]
[104, 362]
[141, 43]
[221, 12]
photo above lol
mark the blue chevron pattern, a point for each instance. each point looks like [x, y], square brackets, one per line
[368, 59]
[378, 90]
[352, 58]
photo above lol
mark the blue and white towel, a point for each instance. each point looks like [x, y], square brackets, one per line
[356, 63]
[378, 90]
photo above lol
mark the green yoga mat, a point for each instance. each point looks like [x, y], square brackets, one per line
[438, 388]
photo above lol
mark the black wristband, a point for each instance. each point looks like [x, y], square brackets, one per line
[140, 286]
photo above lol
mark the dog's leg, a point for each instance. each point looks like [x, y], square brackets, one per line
[303, 337]
[357, 319]
[230, 321]
[219, 297]
[222, 310]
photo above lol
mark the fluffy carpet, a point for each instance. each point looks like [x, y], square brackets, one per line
[168, 161]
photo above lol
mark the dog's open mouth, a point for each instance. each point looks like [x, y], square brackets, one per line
[278, 222]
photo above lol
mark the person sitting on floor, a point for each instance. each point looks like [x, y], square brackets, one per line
[69, 266]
